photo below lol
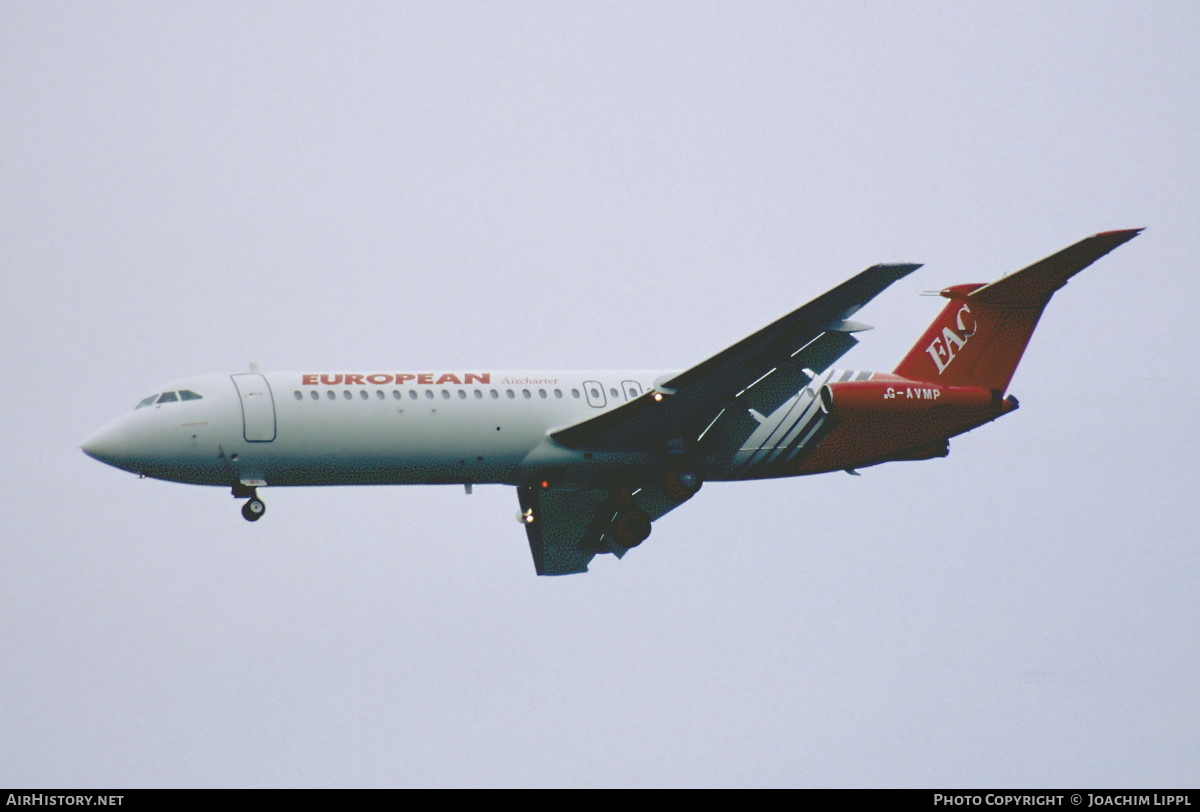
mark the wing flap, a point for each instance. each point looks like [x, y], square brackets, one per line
[560, 523]
[569, 527]
[772, 390]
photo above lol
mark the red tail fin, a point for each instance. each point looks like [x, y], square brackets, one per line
[978, 339]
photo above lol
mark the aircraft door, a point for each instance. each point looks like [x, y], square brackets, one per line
[258, 407]
[632, 389]
[595, 394]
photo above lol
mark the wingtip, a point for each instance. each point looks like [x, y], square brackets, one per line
[899, 269]
[1128, 233]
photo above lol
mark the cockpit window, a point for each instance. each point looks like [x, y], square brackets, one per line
[169, 397]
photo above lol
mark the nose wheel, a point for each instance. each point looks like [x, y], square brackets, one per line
[254, 509]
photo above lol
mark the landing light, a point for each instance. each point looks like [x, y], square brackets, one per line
[527, 516]
[657, 397]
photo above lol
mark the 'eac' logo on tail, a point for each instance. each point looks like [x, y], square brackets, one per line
[943, 349]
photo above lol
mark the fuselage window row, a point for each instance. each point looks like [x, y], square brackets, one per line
[413, 394]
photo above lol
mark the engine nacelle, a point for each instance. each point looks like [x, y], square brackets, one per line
[898, 396]
[893, 418]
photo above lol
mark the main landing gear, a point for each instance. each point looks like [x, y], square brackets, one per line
[631, 526]
[254, 508]
[628, 524]
[682, 484]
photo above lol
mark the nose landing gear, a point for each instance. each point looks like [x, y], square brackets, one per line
[254, 508]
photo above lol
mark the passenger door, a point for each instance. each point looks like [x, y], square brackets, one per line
[258, 407]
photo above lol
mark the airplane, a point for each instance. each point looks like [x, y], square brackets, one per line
[597, 457]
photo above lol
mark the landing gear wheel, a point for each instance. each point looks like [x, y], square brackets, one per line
[631, 527]
[682, 484]
[253, 510]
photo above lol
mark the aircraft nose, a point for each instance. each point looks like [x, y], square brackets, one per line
[106, 446]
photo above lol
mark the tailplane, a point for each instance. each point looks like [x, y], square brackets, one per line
[978, 339]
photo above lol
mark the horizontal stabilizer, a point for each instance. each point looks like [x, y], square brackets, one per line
[1033, 286]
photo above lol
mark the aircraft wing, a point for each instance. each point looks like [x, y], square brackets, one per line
[759, 372]
[573, 526]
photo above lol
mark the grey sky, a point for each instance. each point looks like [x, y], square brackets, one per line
[188, 188]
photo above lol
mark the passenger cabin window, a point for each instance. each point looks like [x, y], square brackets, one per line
[346, 394]
[315, 394]
[188, 394]
[332, 395]
[147, 401]
[575, 393]
[362, 393]
[298, 395]
[168, 397]
[613, 392]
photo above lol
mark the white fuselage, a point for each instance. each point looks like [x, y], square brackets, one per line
[369, 428]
